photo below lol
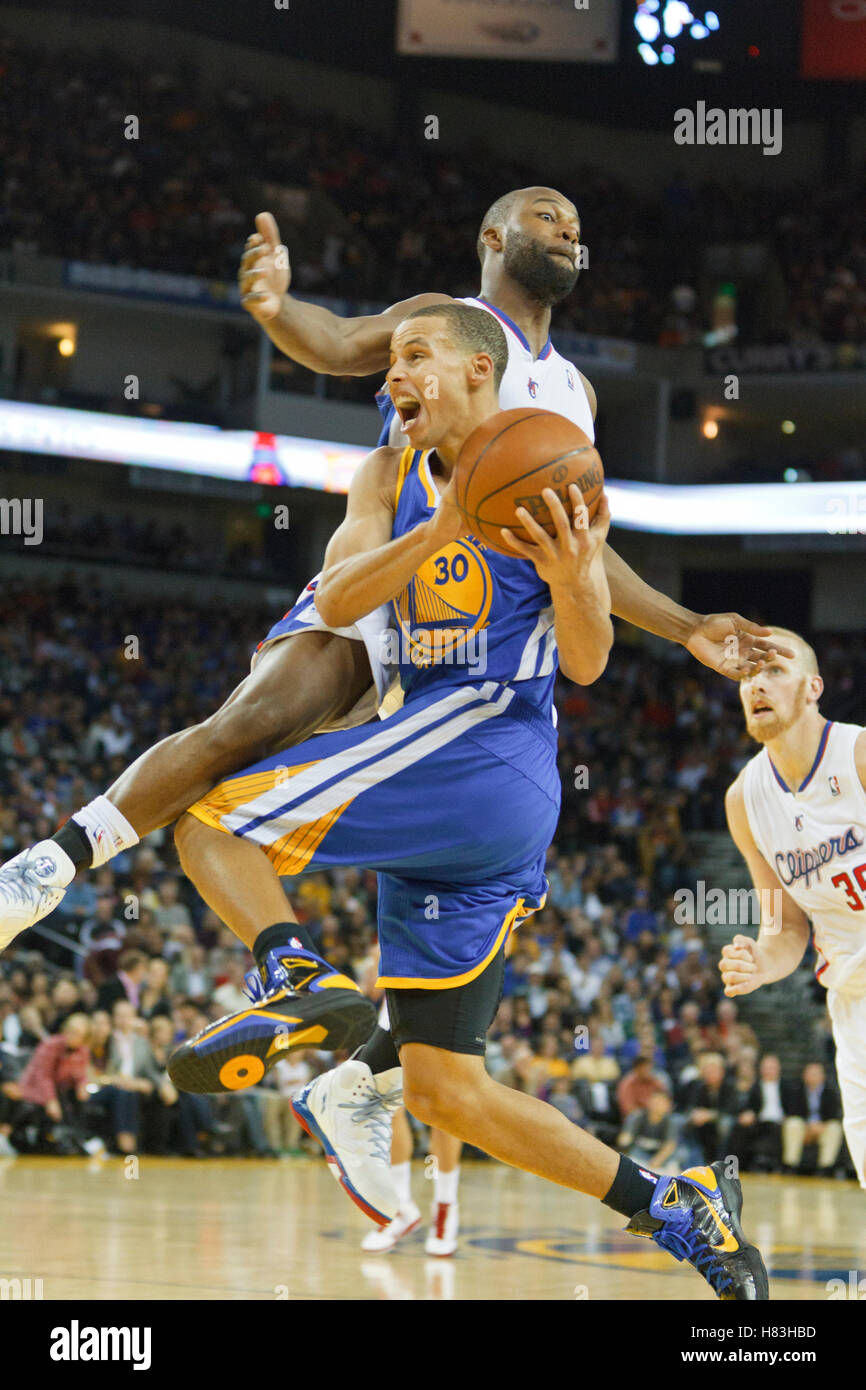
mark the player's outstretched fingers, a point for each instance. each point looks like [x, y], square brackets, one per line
[266, 224]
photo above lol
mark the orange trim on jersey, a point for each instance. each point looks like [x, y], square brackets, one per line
[519, 910]
[406, 458]
[292, 853]
[233, 792]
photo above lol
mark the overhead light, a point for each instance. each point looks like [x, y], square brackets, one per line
[710, 429]
[788, 427]
[66, 346]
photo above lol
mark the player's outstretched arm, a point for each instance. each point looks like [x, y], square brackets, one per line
[364, 567]
[571, 564]
[309, 333]
[726, 642]
[746, 964]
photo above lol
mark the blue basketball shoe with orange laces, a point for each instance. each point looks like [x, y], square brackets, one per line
[298, 1000]
[696, 1217]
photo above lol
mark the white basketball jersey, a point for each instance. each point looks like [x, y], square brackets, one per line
[548, 382]
[815, 840]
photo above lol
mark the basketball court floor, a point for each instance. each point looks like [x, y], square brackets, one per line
[283, 1229]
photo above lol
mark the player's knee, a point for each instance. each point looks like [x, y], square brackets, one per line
[433, 1100]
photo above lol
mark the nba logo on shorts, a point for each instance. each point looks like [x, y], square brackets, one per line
[533, 388]
[835, 789]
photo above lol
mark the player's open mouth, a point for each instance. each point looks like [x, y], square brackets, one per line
[408, 409]
[761, 709]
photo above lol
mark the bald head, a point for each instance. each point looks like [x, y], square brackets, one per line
[501, 212]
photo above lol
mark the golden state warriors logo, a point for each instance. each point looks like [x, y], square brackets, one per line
[445, 605]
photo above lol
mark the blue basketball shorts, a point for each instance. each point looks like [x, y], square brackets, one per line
[454, 800]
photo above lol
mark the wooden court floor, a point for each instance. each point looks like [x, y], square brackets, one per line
[283, 1229]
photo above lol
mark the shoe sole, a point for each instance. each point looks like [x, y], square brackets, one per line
[731, 1190]
[307, 1120]
[235, 1053]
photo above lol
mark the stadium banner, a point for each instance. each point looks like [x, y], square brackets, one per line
[786, 357]
[568, 31]
[151, 284]
[833, 39]
[830, 509]
[612, 354]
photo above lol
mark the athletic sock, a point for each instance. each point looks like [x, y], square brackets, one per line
[402, 1175]
[282, 934]
[73, 840]
[379, 1052]
[632, 1189]
[106, 831]
[445, 1185]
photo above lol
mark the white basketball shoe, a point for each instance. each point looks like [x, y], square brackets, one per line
[31, 885]
[444, 1226]
[349, 1111]
[407, 1220]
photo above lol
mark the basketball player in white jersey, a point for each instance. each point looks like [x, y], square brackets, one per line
[797, 813]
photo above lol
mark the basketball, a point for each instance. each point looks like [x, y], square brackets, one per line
[507, 462]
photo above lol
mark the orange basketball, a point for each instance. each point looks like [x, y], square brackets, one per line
[507, 461]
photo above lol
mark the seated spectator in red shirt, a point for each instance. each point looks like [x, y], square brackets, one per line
[637, 1087]
[54, 1081]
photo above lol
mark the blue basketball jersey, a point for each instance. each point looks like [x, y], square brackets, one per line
[468, 613]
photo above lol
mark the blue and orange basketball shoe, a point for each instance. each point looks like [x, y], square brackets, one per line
[298, 1000]
[696, 1217]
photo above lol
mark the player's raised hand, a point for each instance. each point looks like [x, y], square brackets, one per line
[562, 560]
[740, 966]
[265, 273]
[734, 646]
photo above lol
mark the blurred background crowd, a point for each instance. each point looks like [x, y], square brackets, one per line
[178, 201]
[612, 1008]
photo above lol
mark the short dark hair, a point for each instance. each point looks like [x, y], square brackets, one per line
[473, 330]
[130, 960]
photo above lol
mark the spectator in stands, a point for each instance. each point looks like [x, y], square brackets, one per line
[813, 1120]
[132, 1074]
[637, 1086]
[710, 1106]
[650, 1135]
[230, 996]
[286, 1079]
[171, 912]
[126, 984]
[53, 1085]
[154, 998]
[191, 974]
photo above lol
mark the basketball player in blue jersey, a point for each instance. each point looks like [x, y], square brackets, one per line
[453, 800]
[528, 244]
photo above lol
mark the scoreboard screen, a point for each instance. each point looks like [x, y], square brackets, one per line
[712, 34]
